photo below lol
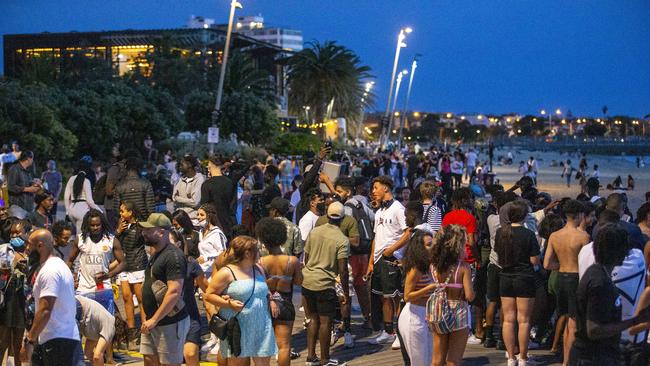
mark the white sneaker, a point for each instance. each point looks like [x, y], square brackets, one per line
[396, 345]
[383, 338]
[348, 340]
[473, 340]
[531, 361]
[514, 362]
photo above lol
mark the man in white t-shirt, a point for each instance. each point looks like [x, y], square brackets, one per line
[316, 209]
[629, 278]
[471, 158]
[54, 336]
[390, 223]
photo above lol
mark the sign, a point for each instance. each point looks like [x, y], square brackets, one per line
[213, 135]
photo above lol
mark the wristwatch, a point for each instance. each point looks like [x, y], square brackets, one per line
[27, 341]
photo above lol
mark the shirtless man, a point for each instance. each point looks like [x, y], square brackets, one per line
[562, 254]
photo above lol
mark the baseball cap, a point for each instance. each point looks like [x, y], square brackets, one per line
[156, 220]
[335, 210]
[280, 204]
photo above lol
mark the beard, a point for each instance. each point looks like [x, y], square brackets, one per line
[34, 258]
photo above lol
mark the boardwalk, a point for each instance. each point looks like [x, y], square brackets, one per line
[366, 354]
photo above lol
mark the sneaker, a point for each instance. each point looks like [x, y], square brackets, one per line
[333, 362]
[315, 361]
[396, 344]
[294, 355]
[473, 340]
[348, 340]
[490, 343]
[531, 361]
[383, 338]
[514, 362]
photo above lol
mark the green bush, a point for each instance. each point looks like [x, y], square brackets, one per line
[296, 143]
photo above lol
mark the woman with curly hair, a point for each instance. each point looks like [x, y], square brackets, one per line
[450, 271]
[417, 339]
[282, 273]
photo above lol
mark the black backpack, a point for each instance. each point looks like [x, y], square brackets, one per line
[366, 234]
[99, 193]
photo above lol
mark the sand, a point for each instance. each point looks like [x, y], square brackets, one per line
[549, 179]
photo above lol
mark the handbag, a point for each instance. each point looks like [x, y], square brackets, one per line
[229, 330]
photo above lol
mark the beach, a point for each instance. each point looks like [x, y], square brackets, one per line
[549, 178]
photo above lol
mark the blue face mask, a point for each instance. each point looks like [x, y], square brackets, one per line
[17, 242]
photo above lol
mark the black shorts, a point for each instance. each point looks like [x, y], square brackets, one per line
[517, 285]
[194, 333]
[493, 273]
[287, 311]
[567, 289]
[387, 278]
[323, 303]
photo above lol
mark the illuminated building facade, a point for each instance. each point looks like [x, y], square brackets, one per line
[127, 50]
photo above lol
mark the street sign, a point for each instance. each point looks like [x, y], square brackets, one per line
[213, 135]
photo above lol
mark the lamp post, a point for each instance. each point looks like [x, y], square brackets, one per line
[414, 65]
[369, 86]
[400, 76]
[386, 121]
[226, 50]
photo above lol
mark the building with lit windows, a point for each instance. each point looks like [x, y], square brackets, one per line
[253, 26]
[127, 50]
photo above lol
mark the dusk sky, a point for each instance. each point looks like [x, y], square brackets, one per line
[479, 56]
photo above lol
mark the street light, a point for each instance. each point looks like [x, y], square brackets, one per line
[369, 86]
[386, 122]
[414, 66]
[234, 4]
[400, 76]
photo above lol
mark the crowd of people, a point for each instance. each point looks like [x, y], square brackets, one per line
[435, 252]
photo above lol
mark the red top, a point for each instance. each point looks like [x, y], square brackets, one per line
[466, 220]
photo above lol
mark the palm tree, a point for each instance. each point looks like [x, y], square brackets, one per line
[330, 79]
[243, 77]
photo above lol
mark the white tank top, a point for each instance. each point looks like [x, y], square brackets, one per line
[94, 258]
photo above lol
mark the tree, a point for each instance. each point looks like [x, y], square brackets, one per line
[248, 116]
[243, 77]
[327, 74]
[198, 110]
[31, 114]
[296, 143]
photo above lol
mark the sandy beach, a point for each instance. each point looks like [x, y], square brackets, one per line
[549, 178]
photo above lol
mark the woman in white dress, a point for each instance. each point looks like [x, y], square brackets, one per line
[78, 198]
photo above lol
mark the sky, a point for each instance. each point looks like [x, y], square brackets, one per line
[478, 56]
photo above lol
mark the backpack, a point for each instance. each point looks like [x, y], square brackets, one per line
[99, 193]
[440, 316]
[366, 234]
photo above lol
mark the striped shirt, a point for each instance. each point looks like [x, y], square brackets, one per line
[137, 190]
[432, 216]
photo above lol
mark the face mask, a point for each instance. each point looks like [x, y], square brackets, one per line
[17, 242]
[203, 223]
[180, 231]
[321, 208]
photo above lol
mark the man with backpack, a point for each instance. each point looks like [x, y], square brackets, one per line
[344, 187]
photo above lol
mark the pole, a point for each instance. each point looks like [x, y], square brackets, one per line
[414, 65]
[222, 74]
[392, 111]
[386, 122]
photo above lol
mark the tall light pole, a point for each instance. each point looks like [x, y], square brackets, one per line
[369, 86]
[226, 50]
[403, 116]
[386, 120]
[400, 76]
[550, 116]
